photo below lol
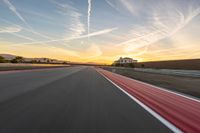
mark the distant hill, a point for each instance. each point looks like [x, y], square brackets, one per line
[8, 56]
[41, 60]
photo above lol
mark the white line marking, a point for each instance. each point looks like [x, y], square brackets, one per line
[153, 113]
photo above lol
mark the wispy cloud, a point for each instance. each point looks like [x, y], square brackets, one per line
[14, 10]
[144, 26]
[14, 30]
[164, 23]
[120, 5]
[112, 5]
[10, 29]
[37, 14]
[22, 36]
[76, 27]
[128, 5]
[60, 44]
[18, 27]
[89, 15]
[101, 32]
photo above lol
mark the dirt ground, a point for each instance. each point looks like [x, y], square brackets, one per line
[10, 66]
[186, 85]
[189, 64]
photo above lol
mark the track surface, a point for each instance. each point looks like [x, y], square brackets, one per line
[181, 111]
[72, 100]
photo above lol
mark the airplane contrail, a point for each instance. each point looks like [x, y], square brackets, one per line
[89, 14]
[14, 10]
[162, 29]
[13, 31]
[101, 32]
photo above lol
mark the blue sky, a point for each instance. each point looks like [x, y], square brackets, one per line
[101, 30]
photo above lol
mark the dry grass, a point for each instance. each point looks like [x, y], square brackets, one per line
[190, 64]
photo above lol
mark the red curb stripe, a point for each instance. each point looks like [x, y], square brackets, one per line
[183, 112]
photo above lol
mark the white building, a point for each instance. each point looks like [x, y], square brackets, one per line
[125, 60]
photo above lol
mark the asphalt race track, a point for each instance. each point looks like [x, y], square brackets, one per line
[69, 100]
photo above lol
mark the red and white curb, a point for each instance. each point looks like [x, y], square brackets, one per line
[176, 111]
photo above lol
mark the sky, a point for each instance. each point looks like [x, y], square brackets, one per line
[101, 31]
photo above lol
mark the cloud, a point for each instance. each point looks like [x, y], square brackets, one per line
[101, 32]
[37, 14]
[76, 27]
[112, 5]
[164, 22]
[121, 5]
[14, 30]
[61, 44]
[10, 29]
[22, 36]
[17, 27]
[14, 10]
[89, 14]
[128, 5]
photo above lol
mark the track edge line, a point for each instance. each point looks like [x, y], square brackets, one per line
[149, 110]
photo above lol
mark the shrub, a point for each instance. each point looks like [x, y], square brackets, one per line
[17, 59]
[132, 65]
[2, 60]
[142, 65]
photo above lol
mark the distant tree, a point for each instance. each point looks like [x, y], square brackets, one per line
[13, 61]
[34, 61]
[142, 65]
[2, 60]
[117, 64]
[132, 65]
[17, 59]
